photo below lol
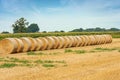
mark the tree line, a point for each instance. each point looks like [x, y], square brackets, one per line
[97, 29]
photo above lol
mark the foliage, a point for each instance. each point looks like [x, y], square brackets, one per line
[33, 28]
[8, 65]
[20, 26]
[5, 32]
[97, 29]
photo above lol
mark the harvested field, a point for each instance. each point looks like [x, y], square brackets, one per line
[98, 62]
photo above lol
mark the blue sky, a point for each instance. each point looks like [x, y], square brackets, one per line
[66, 15]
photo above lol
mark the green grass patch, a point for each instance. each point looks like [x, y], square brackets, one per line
[80, 51]
[39, 61]
[105, 49]
[54, 53]
[102, 49]
[33, 53]
[60, 61]
[49, 65]
[12, 62]
[68, 50]
[7, 65]
[18, 60]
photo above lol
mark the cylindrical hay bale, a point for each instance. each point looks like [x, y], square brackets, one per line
[20, 45]
[103, 39]
[92, 40]
[106, 39]
[45, 43]
[51, 42]
[61, 43]
[39, 44]
[97, 38]
[110, 38]
[75, 41]
[8, 46]
[79, 41]
[56, 39]
[83, 40]
[33, 44]
[71, 41]
[27, 44]
[87, 40]
[67, 42]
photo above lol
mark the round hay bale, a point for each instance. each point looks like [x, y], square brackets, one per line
[107, 38]
[51, 42]
[104, 39]
[67, 42]
[8, 46]
[98, 39]
[87, 40]
[110, 38]
[92, 40]
[83, 40]
[27, 44]
[56, 39]
[101, 39]
[79, 41]
[45, 43]
[39, 44]
[75, 41]
[72, 41]
[20, 45]
[33, 44]
[61, 42]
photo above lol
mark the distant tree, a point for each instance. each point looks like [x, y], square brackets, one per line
[77, 30]
[90, 29]
[20, 26]
[56, 31]
[5, 32]
[44, 32]
[33, 28]
[81, 29]
[97, 29]
[114, 29]
[62, 31]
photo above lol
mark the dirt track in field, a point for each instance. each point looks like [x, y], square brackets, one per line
[104, 65]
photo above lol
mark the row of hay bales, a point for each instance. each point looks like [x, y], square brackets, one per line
[25, 44]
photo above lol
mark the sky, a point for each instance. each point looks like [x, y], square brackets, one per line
[56, 15]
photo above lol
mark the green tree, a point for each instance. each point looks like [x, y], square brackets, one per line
[33, 28]
[113, 29]
[20, 26]
[5, 32]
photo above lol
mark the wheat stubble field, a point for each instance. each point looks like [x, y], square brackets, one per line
[99, 62]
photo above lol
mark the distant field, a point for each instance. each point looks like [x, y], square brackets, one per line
[34, 35]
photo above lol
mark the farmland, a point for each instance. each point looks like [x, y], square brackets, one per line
[99, 62]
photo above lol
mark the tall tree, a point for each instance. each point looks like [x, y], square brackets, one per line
[20, 26]
[33, 28]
